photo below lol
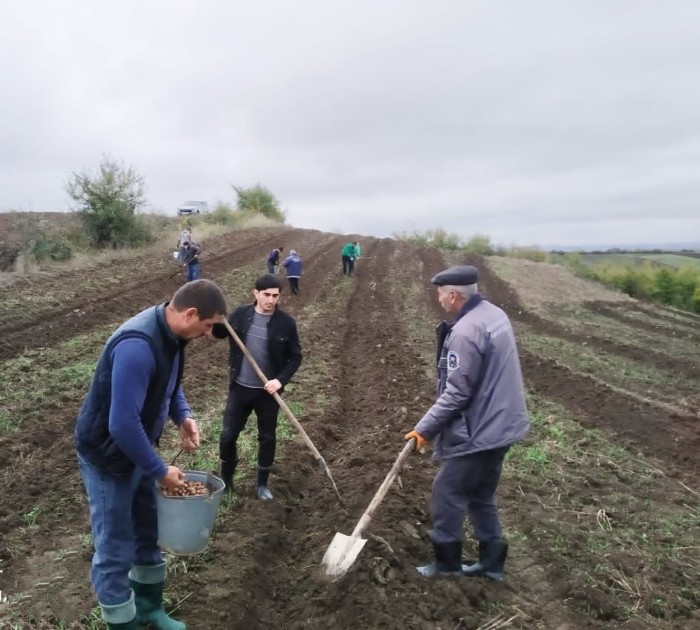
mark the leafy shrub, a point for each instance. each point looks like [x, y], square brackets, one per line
[115, 225]
[107, 202]
[259, 200]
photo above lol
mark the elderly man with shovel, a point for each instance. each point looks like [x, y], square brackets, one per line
[479, 413]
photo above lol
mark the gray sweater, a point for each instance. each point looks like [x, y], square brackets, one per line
[481, 398]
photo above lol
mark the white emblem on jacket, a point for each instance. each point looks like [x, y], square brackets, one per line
[452, 360]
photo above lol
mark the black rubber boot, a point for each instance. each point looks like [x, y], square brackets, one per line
[492, 558]
[228, 468]
[448, 561]
[261, 488]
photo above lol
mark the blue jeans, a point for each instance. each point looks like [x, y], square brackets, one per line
[124, 524]
[193, 272]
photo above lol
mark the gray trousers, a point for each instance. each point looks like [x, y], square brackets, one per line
[467, 484]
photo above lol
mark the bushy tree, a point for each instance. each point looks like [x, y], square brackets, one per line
[259, 200]
[107, 202]
[479, 244]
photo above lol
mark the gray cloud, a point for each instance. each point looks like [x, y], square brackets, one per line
[541, 122]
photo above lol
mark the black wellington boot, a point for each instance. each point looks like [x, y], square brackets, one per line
[448, 561]
[228, 468]
[492, 558]
[261, 488]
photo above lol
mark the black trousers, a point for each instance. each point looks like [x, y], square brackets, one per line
[241, 402]
[294, 285]
[348, 265]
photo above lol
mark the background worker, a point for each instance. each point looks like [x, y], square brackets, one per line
[183, 241]
[191, 261]
[348, 256]
[273, 260]
[480, 411]
[271, 336]
[135, 388]
[293, 265]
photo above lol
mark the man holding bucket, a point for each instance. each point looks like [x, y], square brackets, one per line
[271, 337]
[135, 388]
[479, 413]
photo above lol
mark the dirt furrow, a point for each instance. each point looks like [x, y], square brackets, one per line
[94, 309]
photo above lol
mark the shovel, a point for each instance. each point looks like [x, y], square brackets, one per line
[343, 550]
[287, 411]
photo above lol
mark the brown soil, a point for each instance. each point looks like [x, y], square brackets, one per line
[262, 568]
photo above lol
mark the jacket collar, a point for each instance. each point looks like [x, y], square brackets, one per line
[469, 305]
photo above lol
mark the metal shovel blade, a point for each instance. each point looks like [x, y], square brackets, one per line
[342, 553]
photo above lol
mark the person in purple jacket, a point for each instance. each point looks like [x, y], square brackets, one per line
[479, 413]
[293, 265]
[135, 388]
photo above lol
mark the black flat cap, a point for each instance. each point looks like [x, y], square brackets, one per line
[458, 276]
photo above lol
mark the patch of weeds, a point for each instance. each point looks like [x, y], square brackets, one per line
[625, 374]
[591, 501]
[31, 517]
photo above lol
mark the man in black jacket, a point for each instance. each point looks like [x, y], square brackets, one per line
[271, 336]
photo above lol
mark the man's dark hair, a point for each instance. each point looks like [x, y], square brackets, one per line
[268, 281]
[204, 295]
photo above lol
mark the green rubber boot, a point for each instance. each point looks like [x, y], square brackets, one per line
[121, 616]
[148, 583]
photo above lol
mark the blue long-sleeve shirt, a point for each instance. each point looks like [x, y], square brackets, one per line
[133, 366]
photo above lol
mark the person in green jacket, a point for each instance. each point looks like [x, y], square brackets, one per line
[349, 254]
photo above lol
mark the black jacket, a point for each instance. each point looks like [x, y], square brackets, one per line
[283, 347]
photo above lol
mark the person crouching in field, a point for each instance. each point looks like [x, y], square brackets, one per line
[273, 260]
[293, 264]
[479, 413]
[135, 388]
[271, 336]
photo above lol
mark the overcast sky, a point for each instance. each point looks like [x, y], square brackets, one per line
[549, 122]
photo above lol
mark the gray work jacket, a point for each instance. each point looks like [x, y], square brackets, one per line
[481, 398]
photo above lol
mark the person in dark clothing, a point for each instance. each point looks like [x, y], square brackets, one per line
[135, 388]
[479, 413]
[191, 261]
[271, 336]
[293, 265]
[273, 260]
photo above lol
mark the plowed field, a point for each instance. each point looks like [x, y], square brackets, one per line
[600, 503]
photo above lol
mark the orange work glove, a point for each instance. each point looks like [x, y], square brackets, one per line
[420, 440]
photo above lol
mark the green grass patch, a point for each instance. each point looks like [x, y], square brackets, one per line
[580, 320]
[613, 517]
[48, 377]
[623, 373]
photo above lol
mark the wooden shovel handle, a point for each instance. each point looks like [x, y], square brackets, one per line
[383, 489]
[283, 405]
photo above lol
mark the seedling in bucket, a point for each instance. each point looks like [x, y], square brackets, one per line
[343, 550]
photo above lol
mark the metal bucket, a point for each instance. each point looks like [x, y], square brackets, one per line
[185, 523]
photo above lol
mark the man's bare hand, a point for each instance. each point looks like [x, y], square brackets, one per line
[189, 432]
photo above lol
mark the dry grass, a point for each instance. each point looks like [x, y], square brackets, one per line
[540, 283]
